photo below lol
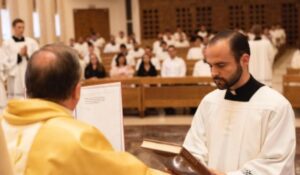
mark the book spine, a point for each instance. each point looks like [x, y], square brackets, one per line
[198, 166]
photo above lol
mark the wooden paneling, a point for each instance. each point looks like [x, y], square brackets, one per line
[291, 89]
[289, 16]
[218, 15]
[91, 20]
[146, 92]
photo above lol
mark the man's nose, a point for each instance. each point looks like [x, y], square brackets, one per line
[214, 72]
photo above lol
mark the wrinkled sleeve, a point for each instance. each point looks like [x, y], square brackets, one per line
[196, 138]
[80, 150]
[100, 157]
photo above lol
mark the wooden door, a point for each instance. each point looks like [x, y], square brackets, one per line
[87, 21]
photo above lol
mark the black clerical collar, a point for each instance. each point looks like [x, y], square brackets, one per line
[245, 92]
[257, 38]
[16, 39]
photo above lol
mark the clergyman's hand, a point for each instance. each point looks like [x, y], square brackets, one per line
[215, 172]
[23, 51]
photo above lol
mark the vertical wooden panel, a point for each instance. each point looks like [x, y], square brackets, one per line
[87, 21]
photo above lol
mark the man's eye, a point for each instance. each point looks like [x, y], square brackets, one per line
[221, 65]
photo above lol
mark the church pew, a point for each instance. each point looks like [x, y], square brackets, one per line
[182, 52]
[290, 70]
[190, 66]
[131, 90]
[106, 60]
[175, 92]
[291, 89]
[157, 92]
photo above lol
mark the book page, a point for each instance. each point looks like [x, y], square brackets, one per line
[161, 146]
[101, 106]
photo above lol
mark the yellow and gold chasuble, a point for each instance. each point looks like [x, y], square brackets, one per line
[65, 146]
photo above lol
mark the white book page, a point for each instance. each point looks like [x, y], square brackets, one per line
[101, 106]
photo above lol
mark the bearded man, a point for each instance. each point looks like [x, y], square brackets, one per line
[243, 127]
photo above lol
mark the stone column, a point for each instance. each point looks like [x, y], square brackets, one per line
[61, 10]
[1, 38]
[46, 11]
[22, 9]
[136, 19]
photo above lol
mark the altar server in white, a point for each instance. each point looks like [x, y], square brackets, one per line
[3, 76]
[19, 49]
[243, 127]
[262, 57]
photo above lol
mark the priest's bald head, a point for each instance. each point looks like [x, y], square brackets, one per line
[228, 54]
[53, 73]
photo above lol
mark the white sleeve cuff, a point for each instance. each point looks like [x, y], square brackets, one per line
[235, 173]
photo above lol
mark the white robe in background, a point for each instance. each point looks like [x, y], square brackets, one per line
[3, 76]
[296, 60]
[201, 69]
[120, 40]
[261, 60]
[136, 53]
[182, 44]
[82, 49]
[156, 46]
[176, 36]
[203, 34]
[16, 74]
[244, 138]
[195, 53]
[99, 43]
[109, 48]
[173, 67]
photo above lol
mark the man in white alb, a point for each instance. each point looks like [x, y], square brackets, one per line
[3, 76]
[243, 127]
[111, 46]
[262, 57]
[196, 51]
[19, 49]
[121, 38]
[173, 66]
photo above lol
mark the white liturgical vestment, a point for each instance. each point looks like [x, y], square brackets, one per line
[261, 60]
[16, 74]
[256, 137]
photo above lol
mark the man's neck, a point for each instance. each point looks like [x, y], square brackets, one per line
[243, 80]
[18, 36]
[67, 104]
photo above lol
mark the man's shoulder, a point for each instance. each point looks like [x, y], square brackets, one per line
[269, 97]
[31, 40]
[8, 41]
[70, 127]
[214, 95]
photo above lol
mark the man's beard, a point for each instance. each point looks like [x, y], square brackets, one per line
[222, 83]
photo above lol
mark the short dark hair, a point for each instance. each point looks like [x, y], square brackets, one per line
[118, 59]
[55, 80]
[238, 42]
[195, 37]
[123, 46]
[16, 21]
[171, 46]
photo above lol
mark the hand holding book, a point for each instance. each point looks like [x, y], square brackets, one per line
[177, 159]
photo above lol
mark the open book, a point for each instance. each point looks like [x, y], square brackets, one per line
[176, 158]
[101, 106]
